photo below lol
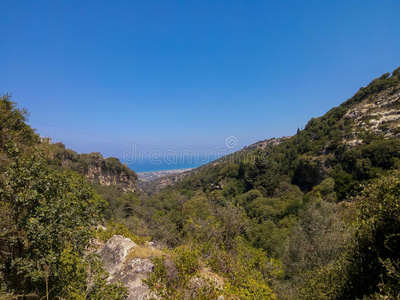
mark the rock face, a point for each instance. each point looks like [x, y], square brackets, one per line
[379, 114]
[106, 171]
[130, 272]
[107, 178]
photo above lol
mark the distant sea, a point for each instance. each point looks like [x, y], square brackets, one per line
[146, 165]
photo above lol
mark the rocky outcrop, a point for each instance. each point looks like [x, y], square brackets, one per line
[125, 268]
[110, 177]
[379, 114]
[129, 263]
[266, 143]
[106, 171]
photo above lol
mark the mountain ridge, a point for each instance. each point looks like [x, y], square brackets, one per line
[374, 109]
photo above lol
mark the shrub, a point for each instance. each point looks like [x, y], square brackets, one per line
[49, 223]
[114, 228]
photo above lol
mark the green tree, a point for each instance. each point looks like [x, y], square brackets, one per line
[370, 266]
[13, 129]
[49, 222]
[374, 257]
[317, 239]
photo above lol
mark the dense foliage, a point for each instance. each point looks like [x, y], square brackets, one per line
[46, 222]
[369, 267]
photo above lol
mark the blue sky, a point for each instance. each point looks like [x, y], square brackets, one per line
[101, 75]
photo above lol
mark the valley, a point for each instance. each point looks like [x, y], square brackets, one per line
[311, 216]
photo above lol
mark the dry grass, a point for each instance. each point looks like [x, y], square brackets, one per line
[143, 252]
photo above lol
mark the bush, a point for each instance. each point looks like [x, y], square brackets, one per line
[113, 228]
[316, 240]
[369, 268]
[176, 276]
[49, 222]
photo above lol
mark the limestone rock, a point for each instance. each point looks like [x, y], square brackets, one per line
[114, 255]
[107, 178]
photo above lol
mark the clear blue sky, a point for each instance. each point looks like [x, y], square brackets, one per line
[187, 74]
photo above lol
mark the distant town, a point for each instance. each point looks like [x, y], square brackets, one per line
[147, 176]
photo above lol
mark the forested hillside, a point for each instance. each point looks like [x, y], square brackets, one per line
[313, 216]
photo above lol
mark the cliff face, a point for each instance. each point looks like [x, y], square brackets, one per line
[111, 177]
[106, 171]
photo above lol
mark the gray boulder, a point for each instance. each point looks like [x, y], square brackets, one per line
[130, 271]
